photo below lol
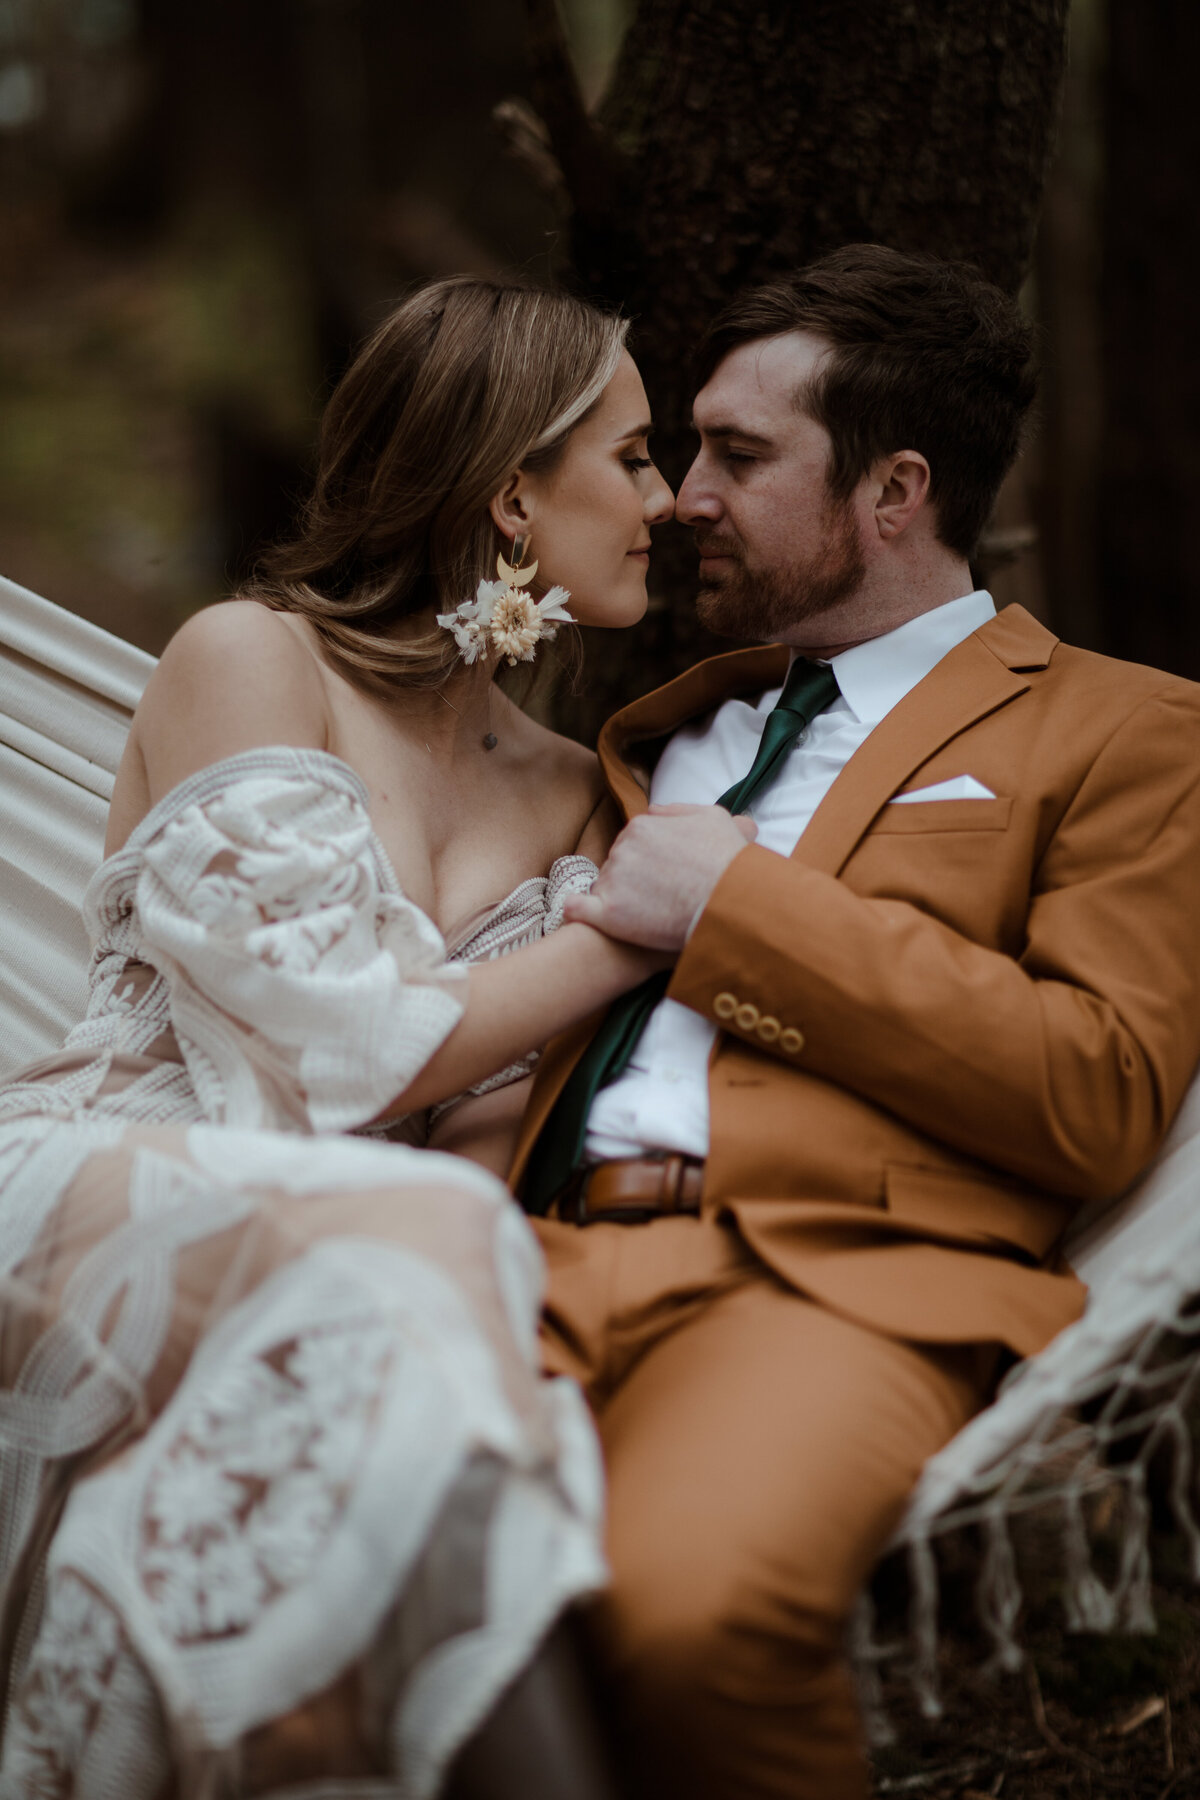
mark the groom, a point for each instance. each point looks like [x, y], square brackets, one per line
[933, 884]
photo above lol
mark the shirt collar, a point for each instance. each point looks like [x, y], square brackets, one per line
[875, 676]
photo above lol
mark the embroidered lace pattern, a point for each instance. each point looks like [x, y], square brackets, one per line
[87, 1720]
[289, 1374]
[235, 1513]
[259, 1538]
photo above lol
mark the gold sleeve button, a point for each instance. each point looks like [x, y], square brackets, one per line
[725, 1005]
[746, 1016]
[768, 1029]
[791, 1041]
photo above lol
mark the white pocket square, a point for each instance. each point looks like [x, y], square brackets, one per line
[959, 787]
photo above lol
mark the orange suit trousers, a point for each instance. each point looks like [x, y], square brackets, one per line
[759, 1451]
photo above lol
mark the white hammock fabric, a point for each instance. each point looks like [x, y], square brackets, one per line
[67, 693]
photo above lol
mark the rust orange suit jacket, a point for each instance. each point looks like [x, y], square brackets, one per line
[999, 1000]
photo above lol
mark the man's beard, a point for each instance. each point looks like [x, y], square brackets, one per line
[764, 604]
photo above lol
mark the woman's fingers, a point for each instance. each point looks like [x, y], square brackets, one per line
[584, 909]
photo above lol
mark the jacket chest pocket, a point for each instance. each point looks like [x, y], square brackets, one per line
[916, 817]
[956, 860]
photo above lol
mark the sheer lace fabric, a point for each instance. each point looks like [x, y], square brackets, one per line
[270, 1418]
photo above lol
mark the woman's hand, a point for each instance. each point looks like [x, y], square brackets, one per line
[513, 1005]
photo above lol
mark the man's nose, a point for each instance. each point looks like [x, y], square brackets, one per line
[695, 503]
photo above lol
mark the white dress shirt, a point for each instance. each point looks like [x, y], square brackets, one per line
[660, 1101]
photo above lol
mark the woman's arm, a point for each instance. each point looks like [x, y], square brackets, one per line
[483, 1126]
[237, 678]
[521, 1000]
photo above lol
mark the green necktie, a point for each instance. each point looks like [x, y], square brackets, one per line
[809, 689]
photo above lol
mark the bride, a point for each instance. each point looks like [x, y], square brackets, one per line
[287, 1508]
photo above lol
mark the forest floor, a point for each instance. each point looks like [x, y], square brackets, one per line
[1088, 1718]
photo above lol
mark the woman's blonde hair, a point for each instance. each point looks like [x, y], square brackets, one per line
[465, 382]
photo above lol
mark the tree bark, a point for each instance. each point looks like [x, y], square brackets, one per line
[741, 138]
[1065, 449]
[1150, 444]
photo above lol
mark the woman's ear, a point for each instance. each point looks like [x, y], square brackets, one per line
[510, 508]
[903, 490]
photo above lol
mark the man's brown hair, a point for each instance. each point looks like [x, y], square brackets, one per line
[926, 355]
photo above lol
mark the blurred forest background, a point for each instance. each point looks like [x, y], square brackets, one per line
[204, 204]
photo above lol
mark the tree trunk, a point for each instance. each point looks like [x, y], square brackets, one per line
[1150, 446]
[740, 138]
[1065, 449]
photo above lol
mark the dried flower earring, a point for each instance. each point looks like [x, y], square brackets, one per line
[503, 617]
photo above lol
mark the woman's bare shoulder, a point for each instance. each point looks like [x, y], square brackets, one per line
[237, 676]
[229, 626]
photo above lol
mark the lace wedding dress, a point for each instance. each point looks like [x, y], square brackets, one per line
[286, 1504]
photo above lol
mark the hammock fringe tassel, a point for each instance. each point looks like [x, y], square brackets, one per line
[1099, 1511]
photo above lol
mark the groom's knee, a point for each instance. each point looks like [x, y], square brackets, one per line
[725, 1688]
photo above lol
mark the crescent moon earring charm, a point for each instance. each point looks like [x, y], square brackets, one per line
[504, 617]
[512, 572]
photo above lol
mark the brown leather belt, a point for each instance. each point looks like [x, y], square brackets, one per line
[631, 1191]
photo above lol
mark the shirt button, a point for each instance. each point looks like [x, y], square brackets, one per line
[768, 1029]
[791, 1041]
[746, 1017]
[670, 1074]
[725, 1005]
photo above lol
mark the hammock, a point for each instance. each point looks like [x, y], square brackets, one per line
[67, 693]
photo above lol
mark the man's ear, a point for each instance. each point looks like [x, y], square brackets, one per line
[903, 489]
[511, 508]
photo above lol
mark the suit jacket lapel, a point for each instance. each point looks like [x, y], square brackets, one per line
[972, 681]
[979, 675]
[689, 696]
[975, 678]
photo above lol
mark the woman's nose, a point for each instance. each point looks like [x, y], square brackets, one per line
[660, 502]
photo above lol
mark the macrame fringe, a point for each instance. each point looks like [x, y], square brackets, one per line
[866, 1654]
[998, 1592]
[923, 1626]
[1134, 1596]
[1089, 1604]
[1175, 1427]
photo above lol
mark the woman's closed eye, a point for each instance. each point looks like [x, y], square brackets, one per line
[637, 462]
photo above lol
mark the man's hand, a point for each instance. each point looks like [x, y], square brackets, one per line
[660, 873]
